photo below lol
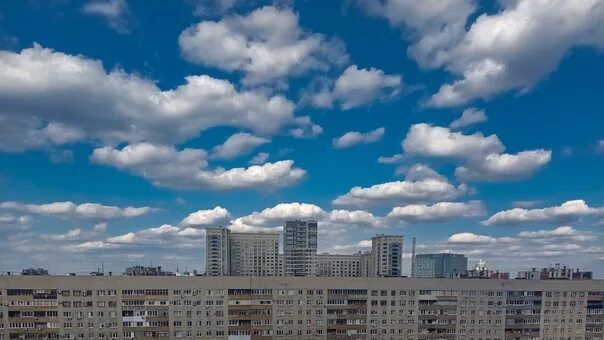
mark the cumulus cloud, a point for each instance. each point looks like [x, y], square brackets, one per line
[115, 12]
[512, 48]
[355, 218]
[357, 87]
[413, 189]
[276, 216]
[93, 211]
[564, 233]
[260, 158]
[212, 217]
[497, 167]
[187, 169]
[236, 145]
[567, 212]
[354, 138]
[37, 106]
[468, 117]
[266, 45]
[483, 155]
[439, 212]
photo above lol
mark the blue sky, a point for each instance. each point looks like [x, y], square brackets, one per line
[126, 127]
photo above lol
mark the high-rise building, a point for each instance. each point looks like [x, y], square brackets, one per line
[386, 256]
[254, 254]
[300, 248]
[441, 265]
[217, 251]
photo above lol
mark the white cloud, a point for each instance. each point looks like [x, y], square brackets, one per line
[187, 169]
[260, 158]
[73, 234]
[468, 117]
[92, 246]
[427, 140]
[211, 7]
[483, 156]
[236, 145]
[497, 167]
[68, 209]
[567, 212]
[306, 128]
[37, 87]
[516, 47]
[419, 172]
[409, 190]
[471, 238]
[10, 219]
[397, 158]
[350, 248]
[439, 212]
[114, 11]
[562, 233]
[276, 216]
[512, 48]
[355, 218]
[357, 87]
[212, 217]
[266, 45]
[353, 138]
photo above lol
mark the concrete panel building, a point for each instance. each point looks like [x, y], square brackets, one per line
[254, 254]
[142, 307]
[300, 248]
[334, 265]
[386, 256]
[217, 251]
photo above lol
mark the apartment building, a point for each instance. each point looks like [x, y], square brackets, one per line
[386, 256]
[131, 307]
[300, 248]
[334, 265]
[443, 265]
[254, 254]
[217, 251]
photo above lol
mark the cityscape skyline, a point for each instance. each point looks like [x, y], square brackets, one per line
[127, 128]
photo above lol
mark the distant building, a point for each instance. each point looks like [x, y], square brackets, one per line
[217, 251]
[146, 271]
[333, 265]
[386, 256]
[300, 248]
[480, 271]
[556, 272]
[34, 272]
[254, 254]
[441, 265]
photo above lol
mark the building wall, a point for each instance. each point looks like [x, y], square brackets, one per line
[300, 248]
[339, 265]
[254, 254]
[298, 308]
[387, 256]
[217, 251]
[438, 265]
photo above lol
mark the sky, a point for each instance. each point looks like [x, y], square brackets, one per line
[127, 127]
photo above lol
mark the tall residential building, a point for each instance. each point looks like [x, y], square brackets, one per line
[441, 265]
[254, 254]
[217, 251]
[300, 248]
[387, 256]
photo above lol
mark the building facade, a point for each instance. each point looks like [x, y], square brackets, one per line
[386, 256]
[217, 251]
[300, 248]
[254, 254]
[442, 265]
[236, 308]
[333, 265]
